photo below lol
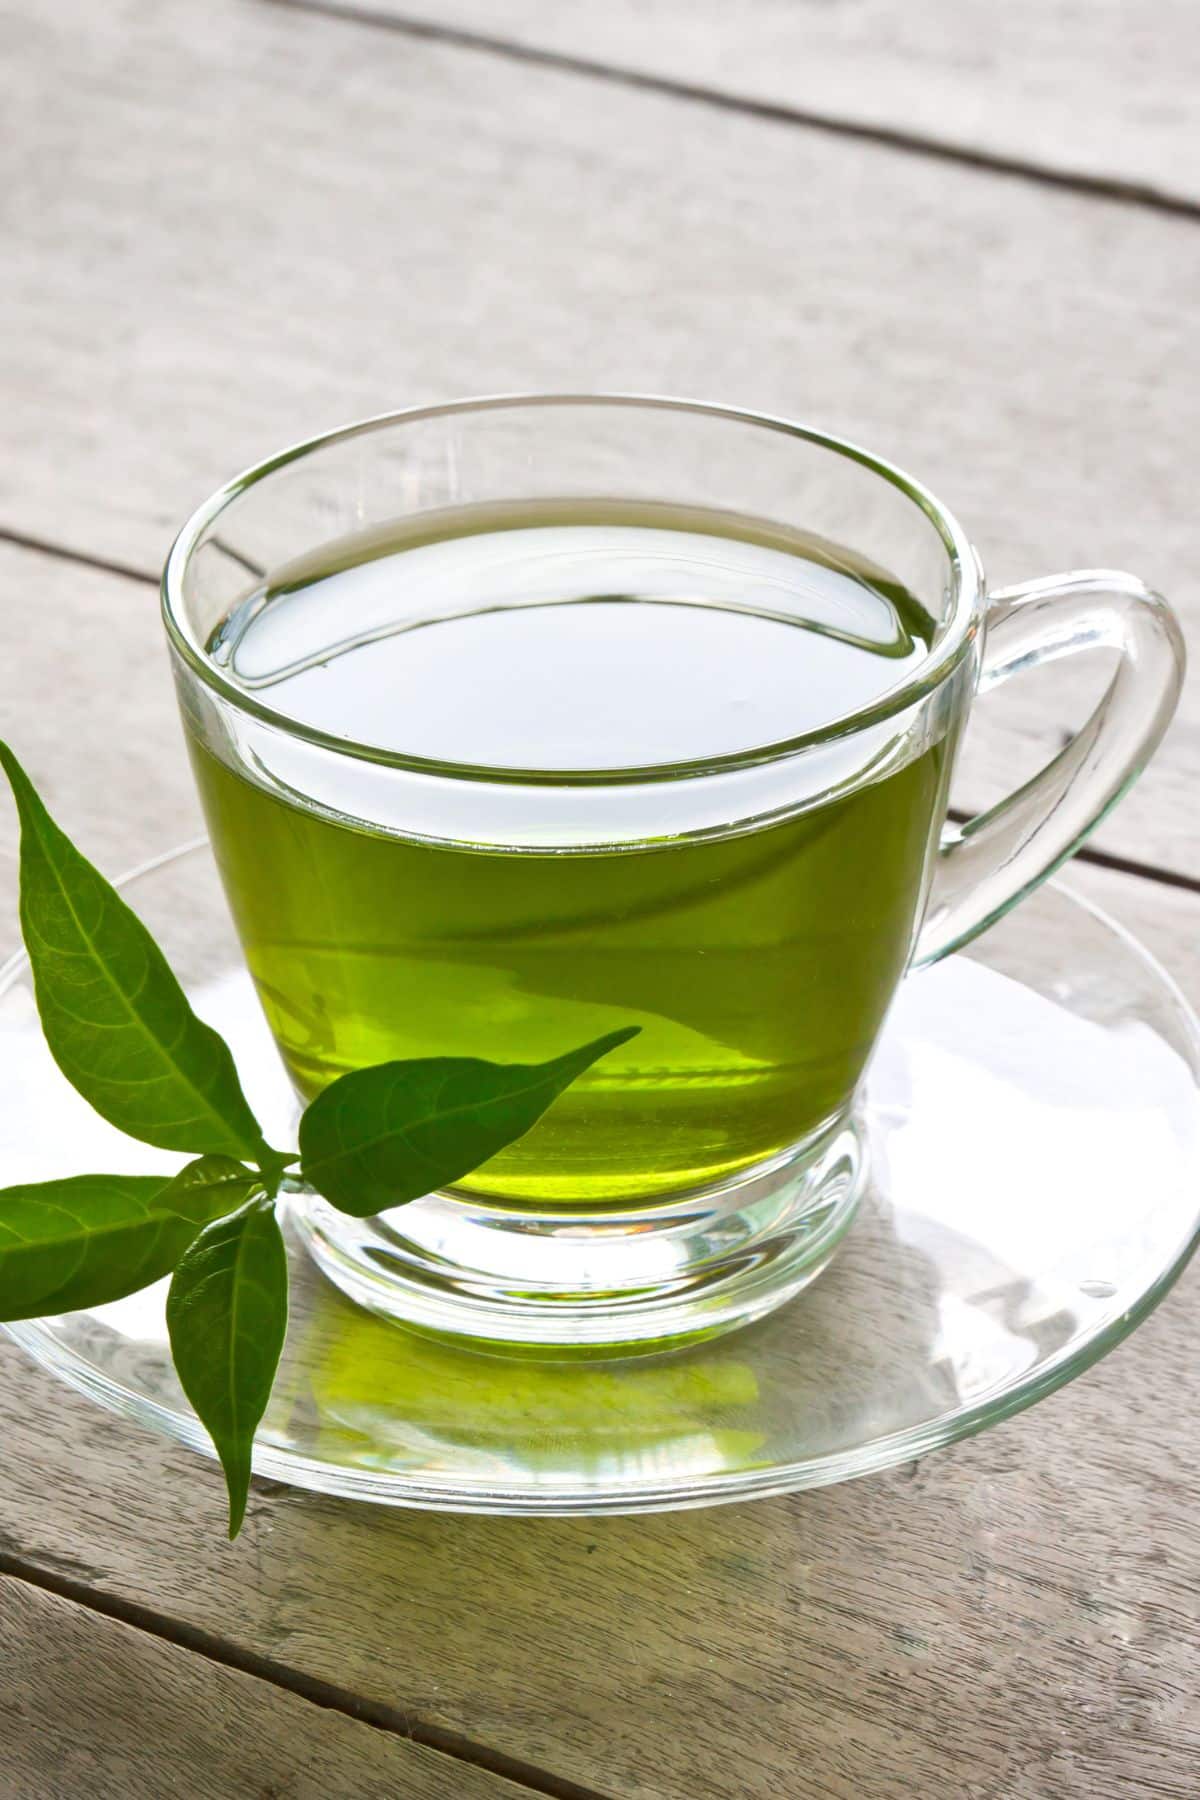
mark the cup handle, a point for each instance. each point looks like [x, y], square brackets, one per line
[985, 866]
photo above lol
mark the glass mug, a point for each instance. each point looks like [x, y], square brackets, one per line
[520, 720]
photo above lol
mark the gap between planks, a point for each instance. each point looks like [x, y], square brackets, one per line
[1103, 859]
[911, 143]
[294, 1681]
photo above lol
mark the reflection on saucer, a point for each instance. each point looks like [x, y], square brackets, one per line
[409, 1399]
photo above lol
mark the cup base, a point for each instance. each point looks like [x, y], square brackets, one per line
[571, 1282]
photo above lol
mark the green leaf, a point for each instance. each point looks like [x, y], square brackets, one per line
[227, 1318]
[383, 1136]
[94, 1238]
[115, 1018]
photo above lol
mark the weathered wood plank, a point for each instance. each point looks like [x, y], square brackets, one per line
[88, 704]
[91, 1706]
[190, 286]
[991, 1626]
[1099, 89]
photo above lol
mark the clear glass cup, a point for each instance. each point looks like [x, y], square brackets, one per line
[593, 1260]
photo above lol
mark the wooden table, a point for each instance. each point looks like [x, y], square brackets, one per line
[964, 235]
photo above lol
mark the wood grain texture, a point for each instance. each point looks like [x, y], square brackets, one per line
[89, 705]
[228, 226]
[351, 220]
[1099, 89]
[92, 1706]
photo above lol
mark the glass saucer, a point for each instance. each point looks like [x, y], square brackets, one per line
[1034, 1121]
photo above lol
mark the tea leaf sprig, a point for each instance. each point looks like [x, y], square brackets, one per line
[120, 1028]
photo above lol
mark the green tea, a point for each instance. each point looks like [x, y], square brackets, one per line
[759, 962]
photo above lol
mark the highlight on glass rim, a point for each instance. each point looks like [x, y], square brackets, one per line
[586, 938]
